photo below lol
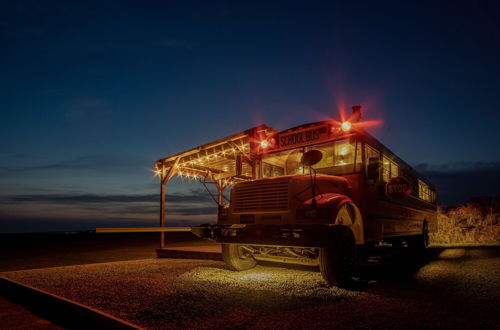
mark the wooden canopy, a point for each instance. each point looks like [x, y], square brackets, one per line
[222, 162]
[217, 159]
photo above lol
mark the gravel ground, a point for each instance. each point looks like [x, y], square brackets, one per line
[458, 290]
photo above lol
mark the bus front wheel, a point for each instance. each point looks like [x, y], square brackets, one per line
[336, 261]
[237, 258]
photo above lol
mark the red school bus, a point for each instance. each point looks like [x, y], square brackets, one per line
[313, 195]
[318, 193]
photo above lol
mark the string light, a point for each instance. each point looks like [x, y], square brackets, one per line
[157, 172]
[196, 161]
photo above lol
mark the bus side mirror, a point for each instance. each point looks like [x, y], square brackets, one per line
[373, 171]
[311, 157]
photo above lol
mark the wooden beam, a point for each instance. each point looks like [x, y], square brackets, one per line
[218, 143]
[220, 188]
[142, 230]
[165, 176]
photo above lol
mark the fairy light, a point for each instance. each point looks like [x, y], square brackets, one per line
[191, 166]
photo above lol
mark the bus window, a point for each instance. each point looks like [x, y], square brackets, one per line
[338, 159]
[269, 170]
[328, 156]
[389, 169]
[386, 169]
[424, 192]
[282, 163]
[370, 152]
[394, 170]
[343, 157]
[343, 153]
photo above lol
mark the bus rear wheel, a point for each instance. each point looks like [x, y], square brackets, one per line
[336, 262]
[237, 258]
[420, 242]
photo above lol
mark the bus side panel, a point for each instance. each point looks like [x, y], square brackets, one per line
[386, 218]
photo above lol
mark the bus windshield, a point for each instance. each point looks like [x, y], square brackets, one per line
[339, 158]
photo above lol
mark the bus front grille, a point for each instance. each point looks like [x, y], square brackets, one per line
[261, 196]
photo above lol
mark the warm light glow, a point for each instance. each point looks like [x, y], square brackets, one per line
[255, 276]
[344, 151]
[157, 172]
[346, 126]
[264, 144]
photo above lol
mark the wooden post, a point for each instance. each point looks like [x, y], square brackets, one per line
[163, 186]
[220, 186]
[165, 176]
[220, 190]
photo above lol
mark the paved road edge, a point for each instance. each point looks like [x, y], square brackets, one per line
[62, 311]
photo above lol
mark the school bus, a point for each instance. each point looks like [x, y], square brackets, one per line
[321, 191]
[313, 195]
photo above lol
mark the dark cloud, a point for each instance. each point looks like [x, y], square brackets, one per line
[458, 167]
[84, 198]
[193, 197]
[456, 183]
[73, 163]
[92, 162]
[195, 210]
[150, 209]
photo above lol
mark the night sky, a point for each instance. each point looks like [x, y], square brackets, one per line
[93, 92]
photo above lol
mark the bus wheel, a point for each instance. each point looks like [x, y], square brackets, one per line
[336, 262]
[420, 242]
[237, 258]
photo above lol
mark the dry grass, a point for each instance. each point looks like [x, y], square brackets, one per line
[467, 225]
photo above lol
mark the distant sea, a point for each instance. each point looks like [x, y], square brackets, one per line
[62, 225]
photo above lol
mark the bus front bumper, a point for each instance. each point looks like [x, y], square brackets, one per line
[275, 235]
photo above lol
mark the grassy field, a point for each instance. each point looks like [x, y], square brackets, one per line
[467, 225]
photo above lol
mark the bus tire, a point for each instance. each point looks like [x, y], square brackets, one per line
[336, 261]
[420, 243]
[236, 258]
